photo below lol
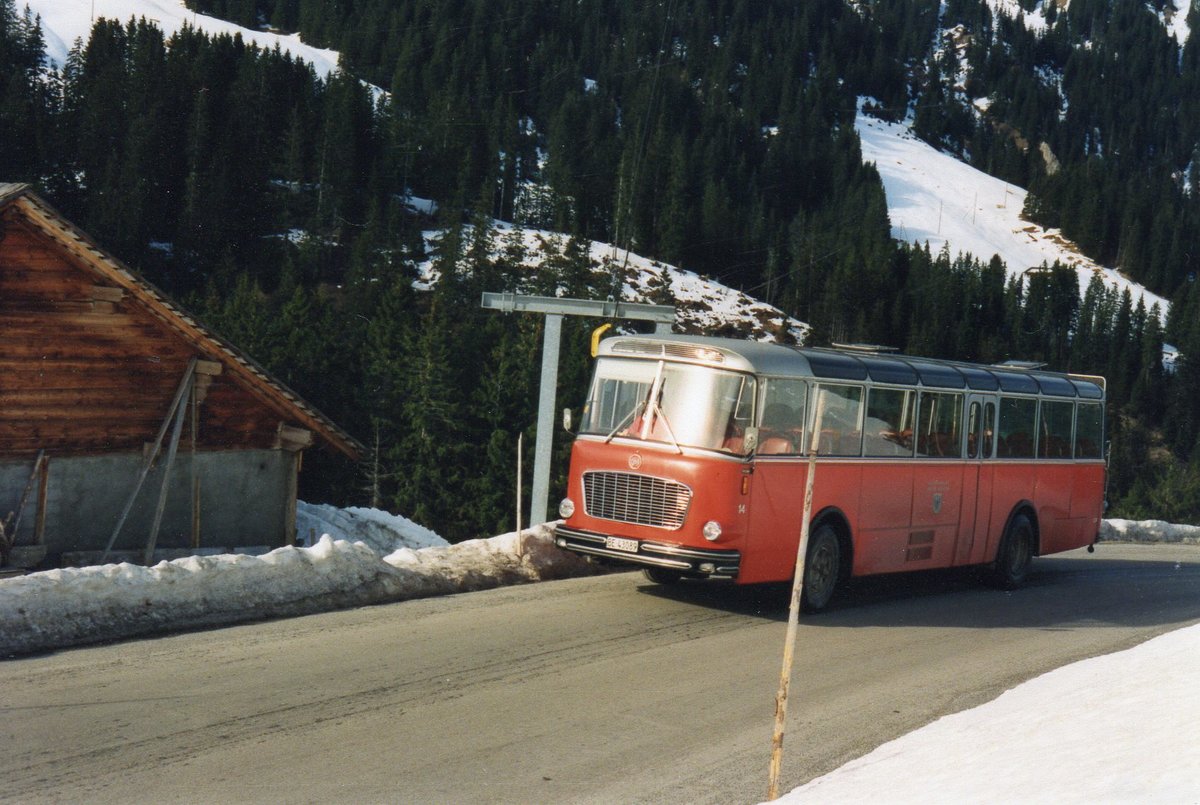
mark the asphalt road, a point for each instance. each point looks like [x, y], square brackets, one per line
[604, 689]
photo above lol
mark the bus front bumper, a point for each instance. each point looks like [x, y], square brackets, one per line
[700, 562]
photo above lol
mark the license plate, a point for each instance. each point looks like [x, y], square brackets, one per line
[618, 544]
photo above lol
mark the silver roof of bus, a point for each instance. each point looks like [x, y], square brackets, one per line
[834, 364]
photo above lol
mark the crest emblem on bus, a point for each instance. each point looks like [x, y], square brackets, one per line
[937, 502]
[635, 461]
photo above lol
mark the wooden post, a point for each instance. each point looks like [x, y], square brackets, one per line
[293, 487]
[520, 445]
[785, 675]
[195, 478]
[39, 523]
[37, 465]
[176, 432]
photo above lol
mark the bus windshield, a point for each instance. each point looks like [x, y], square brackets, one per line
[679, 404]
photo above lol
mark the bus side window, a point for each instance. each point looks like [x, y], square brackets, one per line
[1054, 441]
[1018, 418]
[887, 430]
[782, 427]
[1089, 431]
[938, 425]
[974, 430]
[838, 410]
[989, 429]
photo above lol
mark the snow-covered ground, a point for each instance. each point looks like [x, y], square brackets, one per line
[1119, 728]
[362, 556]
[64, 21]
[934, 198]
[348, 557]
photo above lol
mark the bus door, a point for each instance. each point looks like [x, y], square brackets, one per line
[977, 479]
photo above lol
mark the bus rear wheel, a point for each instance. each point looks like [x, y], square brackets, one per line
[662, 575]
[1015, 557]
[822, 568]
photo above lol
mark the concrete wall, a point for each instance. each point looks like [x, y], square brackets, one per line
[244, 500]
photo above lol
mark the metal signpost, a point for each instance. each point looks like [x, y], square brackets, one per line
[554, 309]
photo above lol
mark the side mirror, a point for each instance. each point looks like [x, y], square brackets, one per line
[750, 440]
[567, 420]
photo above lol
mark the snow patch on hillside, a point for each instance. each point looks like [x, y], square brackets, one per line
[934, 198]
[64, 21]
[703, 305]
[1034, 20]
[1174, 18]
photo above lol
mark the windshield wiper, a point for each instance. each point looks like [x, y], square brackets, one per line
[632, 415]
[655, 409]
[670, 432]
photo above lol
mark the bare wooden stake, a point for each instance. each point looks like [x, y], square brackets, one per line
[520, 446]
[39, 522]
[789, 646]
[176, 432]
[195, 478]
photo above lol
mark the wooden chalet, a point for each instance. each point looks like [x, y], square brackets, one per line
[125, 425]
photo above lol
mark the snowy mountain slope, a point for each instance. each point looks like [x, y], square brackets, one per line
[64, 21]
[934, 198]
[703, 305]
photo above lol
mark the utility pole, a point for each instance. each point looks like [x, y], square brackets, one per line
[554, 309]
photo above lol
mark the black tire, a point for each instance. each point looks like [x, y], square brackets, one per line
[822, 568]
[1014, 559]
[662, 575]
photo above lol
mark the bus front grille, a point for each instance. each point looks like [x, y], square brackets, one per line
[629, 498]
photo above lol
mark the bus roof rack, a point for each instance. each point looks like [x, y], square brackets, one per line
[1029, 365]
[872, 348]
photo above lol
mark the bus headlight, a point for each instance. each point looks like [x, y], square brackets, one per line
[712, 531]
[566, 508]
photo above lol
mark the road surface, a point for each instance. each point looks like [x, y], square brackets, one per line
[605, 689]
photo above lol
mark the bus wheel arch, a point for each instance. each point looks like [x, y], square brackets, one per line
[1018, 545]
[827, 560]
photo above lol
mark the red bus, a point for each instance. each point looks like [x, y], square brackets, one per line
[690, 461]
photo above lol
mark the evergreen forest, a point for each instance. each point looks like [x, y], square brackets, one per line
[289, 209]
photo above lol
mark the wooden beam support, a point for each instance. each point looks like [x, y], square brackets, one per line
[106, 293]
[289, 512]
[39, 524]
[177, 405]
[292, 438]
[208, 368]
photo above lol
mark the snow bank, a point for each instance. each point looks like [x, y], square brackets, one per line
[363, 556]
[76, 606]
[1148, 531]
[1119, 728]
[381, 531]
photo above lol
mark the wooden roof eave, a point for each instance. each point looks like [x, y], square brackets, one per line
[268, 389]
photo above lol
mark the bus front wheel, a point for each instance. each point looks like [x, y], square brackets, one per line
[662, 575]
[1015, 557]
[822, 568]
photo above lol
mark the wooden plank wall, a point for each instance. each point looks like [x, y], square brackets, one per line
[84, 368]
